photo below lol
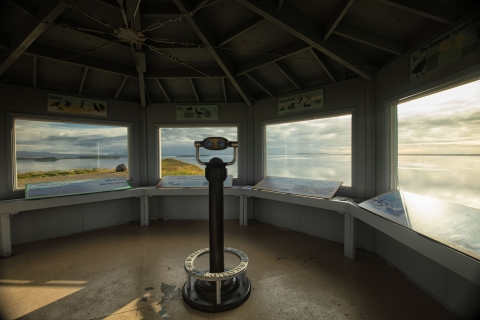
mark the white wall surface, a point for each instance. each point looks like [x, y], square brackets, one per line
[50, 223]
[392, 83]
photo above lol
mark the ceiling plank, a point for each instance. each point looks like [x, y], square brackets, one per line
[158, 9]
[175, 73]
[280, 4]
[34, 71]
[261, 83]
[337, 17]
[84, 76]
[194, 90]
[203, 31]
[307, 30]
[325, 66]
[23, 7]
[4, 42]
[27, 33]
[272, 56]
[224, 90]
[53, 53]
[239, 30]
[164, 91]
[431, 9]
[120, 87]
[370, 38]
[287, 72]
[177, 45]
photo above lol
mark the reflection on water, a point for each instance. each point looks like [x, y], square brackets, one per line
[312, 166]
[448, 178]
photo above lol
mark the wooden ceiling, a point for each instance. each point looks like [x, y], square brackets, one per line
[208, 51]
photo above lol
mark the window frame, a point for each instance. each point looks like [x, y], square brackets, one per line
[240, 151]
[11, 145]
[352, 111]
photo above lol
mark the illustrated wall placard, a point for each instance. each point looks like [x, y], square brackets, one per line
[302, 101]
[76, 105]
[460, 42]
[388, 205]
[202, 112]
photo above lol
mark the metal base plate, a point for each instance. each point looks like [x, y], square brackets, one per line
[202, 294]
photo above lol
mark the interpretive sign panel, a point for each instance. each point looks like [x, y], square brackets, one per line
[305, 187]
[69, 188]
[190, 182]
[388, 205]
[198, 112]
[460, 42]
[76, 105]
[302, 101]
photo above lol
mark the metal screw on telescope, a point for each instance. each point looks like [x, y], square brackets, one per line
[217, 289]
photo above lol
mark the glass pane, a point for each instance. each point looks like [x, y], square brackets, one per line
[59, 151]
[439, 145]
[177, 146]
[313, 149]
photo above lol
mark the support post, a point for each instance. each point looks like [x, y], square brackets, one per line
[349, 237]
[241, 215]
[5, 236]
[245, 211]
[144, 214]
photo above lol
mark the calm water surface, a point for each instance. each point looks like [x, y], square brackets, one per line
[66, 164]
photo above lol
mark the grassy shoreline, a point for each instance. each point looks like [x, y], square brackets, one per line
[169, 167]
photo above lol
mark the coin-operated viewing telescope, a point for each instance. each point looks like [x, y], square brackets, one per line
[216, 289]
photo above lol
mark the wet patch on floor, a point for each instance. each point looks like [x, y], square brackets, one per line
[170, 292]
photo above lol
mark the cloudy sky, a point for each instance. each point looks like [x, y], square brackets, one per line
[330, 135]
[69, 138]
[445, 122]
[179, 141]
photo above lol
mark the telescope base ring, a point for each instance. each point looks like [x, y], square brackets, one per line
[202, 295]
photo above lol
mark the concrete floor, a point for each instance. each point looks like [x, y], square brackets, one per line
[133, 272]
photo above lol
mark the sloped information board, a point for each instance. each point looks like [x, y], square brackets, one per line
[69, 188]
[388, 205]
[190, 182]
[305, 187]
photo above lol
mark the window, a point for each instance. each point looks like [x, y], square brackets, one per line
[439, 145]
[48, 151]
[178, 155]
[313, 149]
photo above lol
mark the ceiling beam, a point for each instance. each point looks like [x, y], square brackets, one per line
[120, 87]
[34, 71]
[370, 38]
[203, 31]
[224, 90]
[320, 57]
[27, 33]
[261, 83]
[272, 56]
[48, 52]
[163, 90]
[194, 90]
[280, 4]
[113, 4]
[431, 9]
[337, 16]
[80, 88]
[307, 30]
[177, 45]
[287, 72]
[175, 73]
[23, 7]
[239, 30]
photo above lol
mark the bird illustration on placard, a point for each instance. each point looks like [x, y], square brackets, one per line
[198, 113]
[306, 105]
[55, 104]
[420, 66]
[96, 108]
[291, 106]
[67, 103]
[59, 108]
[102, 107]
[414, 58]
[81, 105]
[282, 108]
[189, 108]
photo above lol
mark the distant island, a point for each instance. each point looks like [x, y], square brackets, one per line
[52, 159]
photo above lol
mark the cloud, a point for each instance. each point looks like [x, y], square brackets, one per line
[69, 138]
